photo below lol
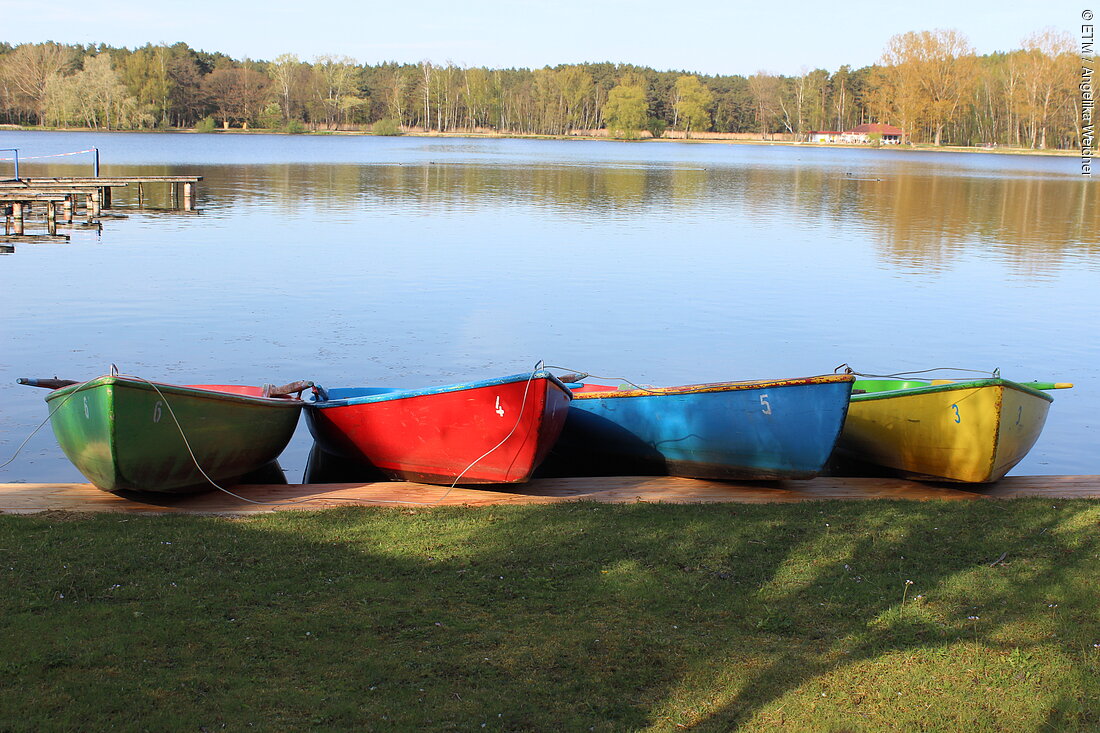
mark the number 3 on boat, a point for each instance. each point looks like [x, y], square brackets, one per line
[973, 431]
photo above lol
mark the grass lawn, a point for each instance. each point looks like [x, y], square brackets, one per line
[560, 617]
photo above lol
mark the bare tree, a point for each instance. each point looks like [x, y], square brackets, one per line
[29, 68]
[929, 74]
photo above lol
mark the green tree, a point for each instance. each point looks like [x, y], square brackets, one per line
[480, 98]
[146, 75]
[693, 104]
[338, 89]
[187, 103]
[626, 110]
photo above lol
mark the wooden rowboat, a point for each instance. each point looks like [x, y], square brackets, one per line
[972, 431]
[765, 429]
[487, 432]
[126, 433]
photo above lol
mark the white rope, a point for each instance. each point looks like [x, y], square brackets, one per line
[28, 438]
[519, 419]
[52, 155]
[585, 375]
[996, 373]
[195, 460]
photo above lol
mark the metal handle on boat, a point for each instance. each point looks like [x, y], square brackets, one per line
[46, 383]
[270, 390]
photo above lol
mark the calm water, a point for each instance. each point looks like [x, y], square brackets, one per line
[402, 261]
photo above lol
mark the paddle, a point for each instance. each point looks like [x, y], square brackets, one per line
[46, 383]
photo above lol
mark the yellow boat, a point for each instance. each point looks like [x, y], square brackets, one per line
[973, 431]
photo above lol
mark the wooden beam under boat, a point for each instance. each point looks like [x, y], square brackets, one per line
[31, 498]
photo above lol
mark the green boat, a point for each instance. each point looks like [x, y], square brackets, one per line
[126, 433]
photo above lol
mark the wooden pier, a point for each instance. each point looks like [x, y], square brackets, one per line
[32, 498]
[62, 197]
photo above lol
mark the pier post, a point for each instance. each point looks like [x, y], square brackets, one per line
[106, 194]
[141, 195]
[17, 216]
[188, 190]
[93, 202]
[51, 218]
[67, 209]
[175, 195]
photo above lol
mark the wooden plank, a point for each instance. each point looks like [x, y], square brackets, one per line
[34, 238]
[98, 181]
[32, 196]
[64, 187]
[29, 498]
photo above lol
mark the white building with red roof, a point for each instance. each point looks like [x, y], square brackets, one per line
[860, 134]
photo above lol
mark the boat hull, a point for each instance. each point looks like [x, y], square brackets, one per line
[489, 432]
[972, 432]
[767, 429]
[122, 434]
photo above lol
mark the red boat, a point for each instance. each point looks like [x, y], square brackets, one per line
[489, 432]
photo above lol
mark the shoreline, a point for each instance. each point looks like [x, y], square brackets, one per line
[923, 148]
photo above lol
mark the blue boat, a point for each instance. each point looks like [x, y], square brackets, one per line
[766, 429]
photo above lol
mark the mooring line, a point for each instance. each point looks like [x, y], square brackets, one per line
[206, 476]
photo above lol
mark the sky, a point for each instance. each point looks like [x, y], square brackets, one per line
[704, 36]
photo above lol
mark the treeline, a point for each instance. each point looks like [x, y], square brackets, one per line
[929, 83]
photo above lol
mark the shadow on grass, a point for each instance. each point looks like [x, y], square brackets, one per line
[567, 617]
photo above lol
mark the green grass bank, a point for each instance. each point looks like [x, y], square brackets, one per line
[820, 616]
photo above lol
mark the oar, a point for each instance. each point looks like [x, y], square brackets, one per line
[270, 390]
[1048, 385]
[46, 383]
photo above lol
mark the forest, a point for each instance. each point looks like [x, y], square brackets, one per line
[931, 84]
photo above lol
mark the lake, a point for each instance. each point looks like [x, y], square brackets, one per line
[355, 260]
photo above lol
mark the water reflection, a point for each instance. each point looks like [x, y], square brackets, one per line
[917, 221]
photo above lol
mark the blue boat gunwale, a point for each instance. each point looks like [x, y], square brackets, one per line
[401, 394]
[717, 387]
[930, 388]
[175, 390]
